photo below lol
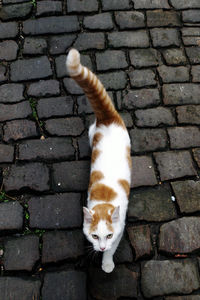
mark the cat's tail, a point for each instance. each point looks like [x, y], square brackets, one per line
[101, 103]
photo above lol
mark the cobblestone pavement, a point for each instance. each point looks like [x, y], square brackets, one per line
[147, 54]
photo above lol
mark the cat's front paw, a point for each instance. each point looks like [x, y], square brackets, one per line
[108, 267]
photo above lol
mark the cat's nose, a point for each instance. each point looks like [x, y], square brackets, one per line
[102, 248]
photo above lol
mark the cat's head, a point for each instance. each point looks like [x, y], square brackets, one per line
[101, 225]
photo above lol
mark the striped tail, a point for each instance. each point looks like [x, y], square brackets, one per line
[101, 103]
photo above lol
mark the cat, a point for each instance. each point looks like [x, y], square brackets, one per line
[110, 175]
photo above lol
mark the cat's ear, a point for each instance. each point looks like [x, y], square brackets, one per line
[115, 215]
[87, 215]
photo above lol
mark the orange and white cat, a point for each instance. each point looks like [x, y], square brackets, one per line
[104, 216]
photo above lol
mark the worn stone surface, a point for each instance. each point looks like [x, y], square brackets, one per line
[111, 59]
[19, 288]
[178, 94]
[113, 80]
[48, 7]
[72, 87]
[6, 153]
[174, 56]
[44, 88]
[180, 236]
[196, 153]
[21, 253]
[82, 6]
[148, 139]
[63, 285]
[184, 137]
[33, 175]
[124, 252]
[8, 30]
[90, 40]
[129, 19]
[195, 73]
[59, 44]
[153, 117]
[10, 12]
[164, 37]
[167, 277]
[8, 50]
[141, 98]
[71, 176]
[142, 171]
[115, 5]
[140, 238]
[193, 54]
[3, 74]
[158, 18]
[55, 211]
[19, 129]
[84, 105]
[173, 74]
[137, 39]
[172, 164]
[55, 107]
[152, 204]
[191, 16]
[66, 126]
[140, 78]
[144, 57]
[11, 216]
[185, 4]
[112, 286]
[34, 45]
[48, 149]
[187, 195]
[11, 92]
[150, 4]
[62, 245]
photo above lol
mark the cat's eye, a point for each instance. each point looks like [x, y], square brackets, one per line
[109, 236]
[95, 236]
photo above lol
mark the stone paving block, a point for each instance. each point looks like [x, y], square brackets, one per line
[84, 147]
[34, 46]
[51, 25]
[144, 57]
[48, 149]
[64, 285]
[10, 12]
[44, 88]
[141, 98]
[185, 4]
[8, 50]
[127, 119]
[55, 107]
[191, 40]
[166, 277]
[140, 238]
[65, 126]
[188, 114]
[8, 30]
[15, 111]
[181, 93]
[3, 74]
[19, 288]
[191, 16]
[115, 5]
[184, 137]
[141, 78]
[180, 236]
[113, 285]
[60, 245]
[84, 105]
[33, 175]
[188, 297]
[137, 39]
[154, 117]
[130, 19]
[187, 195]
[14, 1]
[48, 7]
[102, 21]
[82, 6]
[113, 80]
[55, 211]
[111, 59]
[195, 73]
[6, 153]
[21, 253]
[174, 56]
[60, 62]
[152, 204]
[150, 4]
[174, 164]
[173, 74]
[196, 153]
[124, 252]
[142, 171]
[143, 140]
[59, 44]
[165, 37]
[33, 68]
[90, 40]
[11, 216]
[11, 92]
[71, 176]
[160, 18]
[19, 129]
[193, 54]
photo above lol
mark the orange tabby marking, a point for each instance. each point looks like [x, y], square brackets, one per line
[128, 156]
[95, 155]
[96, 139]
[102, 192]
[94, 177]
[125, 185]
[102, 212]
